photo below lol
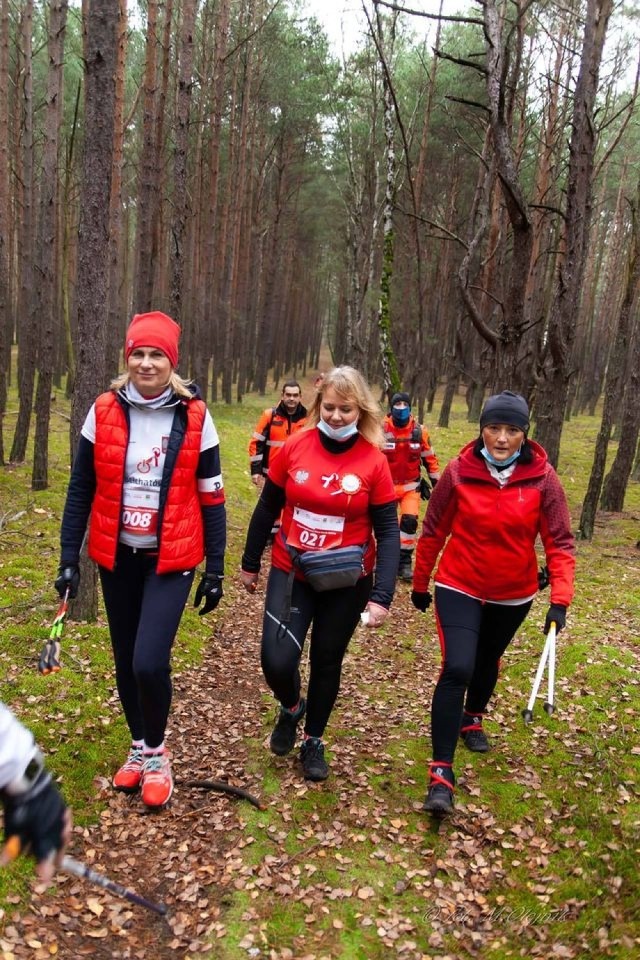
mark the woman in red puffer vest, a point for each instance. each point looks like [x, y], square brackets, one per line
[147, 480]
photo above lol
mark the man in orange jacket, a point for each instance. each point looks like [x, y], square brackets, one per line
[273, 428]
[408, 448]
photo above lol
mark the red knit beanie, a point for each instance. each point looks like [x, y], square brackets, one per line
[153, 330]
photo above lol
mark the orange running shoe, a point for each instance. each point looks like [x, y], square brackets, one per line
[129, 775]
[157, 782]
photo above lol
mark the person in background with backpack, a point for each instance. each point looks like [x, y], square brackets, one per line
[408, 449]
[494, 499]
[334, 484]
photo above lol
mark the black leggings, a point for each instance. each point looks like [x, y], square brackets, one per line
[473, 637]
[144, 611]
[335, 615]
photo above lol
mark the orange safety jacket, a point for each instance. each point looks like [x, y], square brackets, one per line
[180, 527]
[272, 429]
[407, 449]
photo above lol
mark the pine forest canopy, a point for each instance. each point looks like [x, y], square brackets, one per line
[454, 204]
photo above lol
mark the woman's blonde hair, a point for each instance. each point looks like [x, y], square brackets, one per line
[351, 385]
[179, 386]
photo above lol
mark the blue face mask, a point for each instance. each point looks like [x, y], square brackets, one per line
[400, 416]
[499, 463]
[338, 433]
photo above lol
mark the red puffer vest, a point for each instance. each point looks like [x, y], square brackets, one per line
[403, 450]
[180, 532]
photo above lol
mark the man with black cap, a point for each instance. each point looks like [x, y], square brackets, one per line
[492, 502]
[408, 448]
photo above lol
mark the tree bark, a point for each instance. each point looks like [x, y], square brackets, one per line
[46, 318]
[556, 371]
[149, 171]
[615, 374]
[93, 234]
[5, 282]
[27, 342]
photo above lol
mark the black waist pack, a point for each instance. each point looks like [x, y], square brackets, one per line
[331, 569]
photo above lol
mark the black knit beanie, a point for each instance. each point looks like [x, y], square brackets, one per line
[400, 398]
[506, 407]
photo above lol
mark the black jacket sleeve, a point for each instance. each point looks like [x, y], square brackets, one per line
[80, 494]
[214, 521]
[385, 527]
[267, 510]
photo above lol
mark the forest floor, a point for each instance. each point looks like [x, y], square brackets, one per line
[539, 859]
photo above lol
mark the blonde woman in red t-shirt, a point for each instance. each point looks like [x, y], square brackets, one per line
[333, 485]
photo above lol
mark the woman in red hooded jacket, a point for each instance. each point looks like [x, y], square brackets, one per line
[492, 502]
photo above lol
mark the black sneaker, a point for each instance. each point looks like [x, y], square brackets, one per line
[404, 568]
[476, 740]
[472, 734]
[283, 737]
[312, 758]
[439, 799]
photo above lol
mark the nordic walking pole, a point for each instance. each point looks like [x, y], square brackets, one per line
[50, 657]
[548, 704]
[549, 643]
[77, 869]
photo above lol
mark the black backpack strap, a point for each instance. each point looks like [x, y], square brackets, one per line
[285, 612]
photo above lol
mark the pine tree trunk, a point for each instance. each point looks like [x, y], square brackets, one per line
[615, 372]
[102, 27]
[554, 386]
[142, 301]
[46, 319]
[27, 341]
[5, 282]
[116, 265]
[181, 208]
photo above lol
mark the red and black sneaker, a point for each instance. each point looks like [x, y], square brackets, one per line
[472, 734]
[439, 800]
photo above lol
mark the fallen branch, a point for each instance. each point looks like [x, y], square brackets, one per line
[223, 787]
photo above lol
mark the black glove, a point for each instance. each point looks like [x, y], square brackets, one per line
[424, 488]
[209, 590]
[35, 816]
[543, 578]
[68, 576]
[421, 600]
[558, 614]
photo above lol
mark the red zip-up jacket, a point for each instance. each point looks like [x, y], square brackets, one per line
[490, 531]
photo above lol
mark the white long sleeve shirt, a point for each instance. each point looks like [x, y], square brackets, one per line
[17, 747]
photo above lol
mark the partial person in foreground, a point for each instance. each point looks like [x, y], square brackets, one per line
[147, 474]
[491, 503]
[36, 819]
[333, 484]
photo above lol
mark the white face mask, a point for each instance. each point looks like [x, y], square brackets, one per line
[500, 463]
[338, 433]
